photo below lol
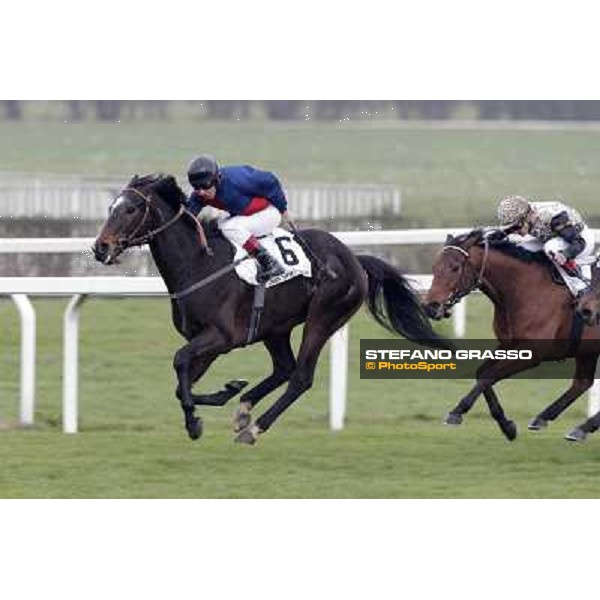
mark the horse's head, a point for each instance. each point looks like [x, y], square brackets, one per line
[588, 305]
[454, 276]
[146, 206]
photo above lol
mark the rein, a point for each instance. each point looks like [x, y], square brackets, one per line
[147, 237]
[461, 293]
[200, 284]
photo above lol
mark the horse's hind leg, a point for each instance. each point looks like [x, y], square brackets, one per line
[300, 381]
[583, 379]
[328, 312]
[579, 433]
[284, 363]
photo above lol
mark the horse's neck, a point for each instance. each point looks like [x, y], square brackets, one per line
[178, 256]
[502, 275]
[520, 292]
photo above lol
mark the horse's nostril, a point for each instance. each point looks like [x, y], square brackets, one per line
[431, 309]
[100, 250]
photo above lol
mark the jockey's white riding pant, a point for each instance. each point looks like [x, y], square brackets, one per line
[238, 229]
[557, 244]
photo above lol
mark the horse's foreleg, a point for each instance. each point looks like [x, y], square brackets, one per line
[489, 373]
[193, 424]
[197, 370]
[284, 364]
[190, 363]
[508, 427]
[454, 417]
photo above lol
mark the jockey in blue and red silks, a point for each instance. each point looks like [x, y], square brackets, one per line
[254, 200]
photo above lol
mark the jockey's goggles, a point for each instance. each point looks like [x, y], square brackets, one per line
[203, 183]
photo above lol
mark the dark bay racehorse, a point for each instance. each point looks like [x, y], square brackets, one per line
[528, 306]
[214, 318]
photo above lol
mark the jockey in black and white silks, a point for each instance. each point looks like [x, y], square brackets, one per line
[558, 229]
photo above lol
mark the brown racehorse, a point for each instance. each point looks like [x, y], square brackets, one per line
[528, 305]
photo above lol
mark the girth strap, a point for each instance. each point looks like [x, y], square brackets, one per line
[575, 334]
[257, 309]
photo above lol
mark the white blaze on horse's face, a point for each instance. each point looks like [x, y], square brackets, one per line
[117, 202]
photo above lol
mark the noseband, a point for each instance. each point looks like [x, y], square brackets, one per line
[459, 294]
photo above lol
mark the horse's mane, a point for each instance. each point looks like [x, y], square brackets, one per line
[164, 186]
[518, 252]
[168, 189]
[505, 247]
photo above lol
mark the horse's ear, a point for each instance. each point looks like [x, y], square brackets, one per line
[449, 240]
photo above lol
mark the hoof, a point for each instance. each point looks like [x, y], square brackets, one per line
[241, 419]
[509, 429]
[453, 419]
[576, 435]
[236, 385]
[194, 428]
[245, 437]
[537, 423]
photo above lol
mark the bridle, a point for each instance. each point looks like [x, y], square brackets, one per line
[147, 237]
[461, 292]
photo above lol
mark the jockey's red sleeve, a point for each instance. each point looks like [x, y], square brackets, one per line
[256, 205]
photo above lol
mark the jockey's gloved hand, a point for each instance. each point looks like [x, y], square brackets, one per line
[569, 265]
[572, 268]
[497, 235]
[559, 258]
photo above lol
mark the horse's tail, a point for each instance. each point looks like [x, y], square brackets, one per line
[395, 306]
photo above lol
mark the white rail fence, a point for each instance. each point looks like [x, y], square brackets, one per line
[79, 288]
[89, 200]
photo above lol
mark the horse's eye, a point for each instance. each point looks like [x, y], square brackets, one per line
[130, 210]
[455, 269]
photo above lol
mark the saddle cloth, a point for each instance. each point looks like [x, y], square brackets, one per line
[282, 245]
[574, 284]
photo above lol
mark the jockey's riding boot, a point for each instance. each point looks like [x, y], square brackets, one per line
[268, 265]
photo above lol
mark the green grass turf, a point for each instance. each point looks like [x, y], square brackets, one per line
[132, 442]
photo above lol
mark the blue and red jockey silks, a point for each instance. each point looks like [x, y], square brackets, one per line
[243, 190]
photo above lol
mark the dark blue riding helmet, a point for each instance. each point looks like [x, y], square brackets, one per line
[202, 172]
